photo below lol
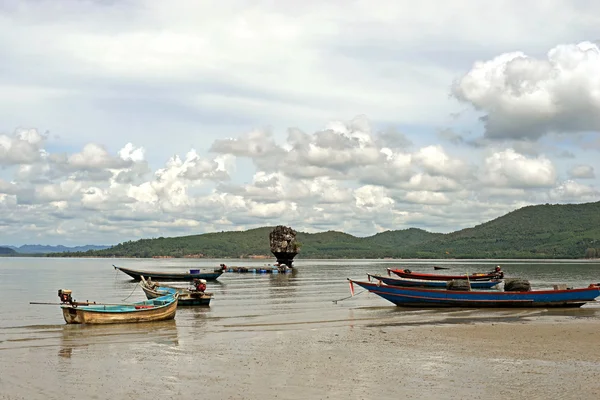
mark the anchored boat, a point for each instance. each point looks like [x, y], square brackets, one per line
[159, 309]
[172, 276]
[195, 296]
[431, 284]
[406, 273]
[418, 297]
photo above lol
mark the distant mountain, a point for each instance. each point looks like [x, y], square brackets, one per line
[7, 251]
[541, 231]
[43, 249]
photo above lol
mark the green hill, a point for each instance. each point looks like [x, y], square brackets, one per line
[542, 231]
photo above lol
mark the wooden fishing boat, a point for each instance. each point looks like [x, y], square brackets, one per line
[267, 269]
[429, 283]
[172, 276]
[406, 273]
[187, 297]
[159, 309]
[418, 297]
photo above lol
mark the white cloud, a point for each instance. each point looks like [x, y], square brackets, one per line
[513, 170]
[527, 97]
[425, 197]
[23, 147]
[372, 197]
[571, 191]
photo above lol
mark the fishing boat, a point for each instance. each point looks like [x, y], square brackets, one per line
[187, 297]
[419, 297]
[438, 267]
[265, 269]
[406, 273]
[429, 283]
[172, 276]
[159, 309]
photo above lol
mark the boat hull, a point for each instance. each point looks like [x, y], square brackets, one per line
[187, 298]
[438, 277]
[431, 284]
[170, 276]
[416, 297]
[97, 314]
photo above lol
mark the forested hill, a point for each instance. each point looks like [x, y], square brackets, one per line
[542, 231]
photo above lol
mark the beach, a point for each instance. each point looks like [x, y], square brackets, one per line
[295, 337]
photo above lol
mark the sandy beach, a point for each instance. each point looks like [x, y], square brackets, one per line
[292, 337]
[491, 360]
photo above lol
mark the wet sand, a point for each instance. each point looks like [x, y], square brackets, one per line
[548, 360]
[283, 337]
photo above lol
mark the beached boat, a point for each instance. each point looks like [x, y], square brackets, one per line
[159, 309]
[187, 297]
[406, 273]
[417, 297]
[429, 283]
[172, 276]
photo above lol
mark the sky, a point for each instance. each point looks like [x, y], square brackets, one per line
[122, 120]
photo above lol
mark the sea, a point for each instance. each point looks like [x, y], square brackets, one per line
[259, 338]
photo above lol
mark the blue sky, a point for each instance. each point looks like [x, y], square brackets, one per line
[134, 119]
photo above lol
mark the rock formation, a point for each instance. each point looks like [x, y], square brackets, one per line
[283, 244]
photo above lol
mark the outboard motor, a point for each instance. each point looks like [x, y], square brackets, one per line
[65, 296]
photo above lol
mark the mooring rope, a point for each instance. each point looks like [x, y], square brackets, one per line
[136, 285]
[345, 298]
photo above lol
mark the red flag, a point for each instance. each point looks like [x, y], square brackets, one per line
[351, 288]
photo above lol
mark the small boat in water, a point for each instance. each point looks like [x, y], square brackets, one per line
[194, 296]
[159, 309]
[418, 297]
[407, 273]
[431, 284]
[266, 269]
[172, 276]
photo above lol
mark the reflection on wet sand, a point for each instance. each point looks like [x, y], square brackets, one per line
[75, 337]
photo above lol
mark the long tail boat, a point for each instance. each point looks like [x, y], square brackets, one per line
[172, 276]
[417, 297]
[187, 297]
[429, 283]
[159, 309]
[406, 273]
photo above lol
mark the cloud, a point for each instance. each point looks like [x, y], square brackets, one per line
[571, 191]
[582, 172]
[510, 169]
[527, 97]
[22, 147]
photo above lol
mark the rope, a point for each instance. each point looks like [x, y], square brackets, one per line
[336, 301]
[136, 285]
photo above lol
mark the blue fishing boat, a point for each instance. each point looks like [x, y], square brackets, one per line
[430, 284]
[418, 297]
[172, 276]
[159, 309]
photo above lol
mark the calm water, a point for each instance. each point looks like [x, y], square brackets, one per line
[38, 351]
